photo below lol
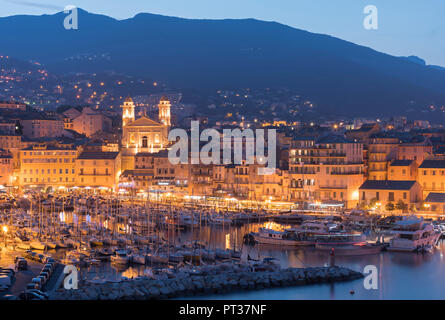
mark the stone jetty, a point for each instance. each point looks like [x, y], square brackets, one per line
[206, 280]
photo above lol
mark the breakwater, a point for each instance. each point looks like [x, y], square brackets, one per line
[223, 278]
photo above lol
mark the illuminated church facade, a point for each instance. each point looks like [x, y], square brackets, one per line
[143, 135]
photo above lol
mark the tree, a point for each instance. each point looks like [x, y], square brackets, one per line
[401, 205]
[390, 206]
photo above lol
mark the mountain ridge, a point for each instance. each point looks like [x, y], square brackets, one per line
[231, 53]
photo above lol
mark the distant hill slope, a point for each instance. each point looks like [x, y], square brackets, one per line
[209, 54]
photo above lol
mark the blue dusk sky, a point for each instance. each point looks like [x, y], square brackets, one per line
[405, 27]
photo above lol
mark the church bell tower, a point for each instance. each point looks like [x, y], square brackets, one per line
[164, 111]
[127, 111]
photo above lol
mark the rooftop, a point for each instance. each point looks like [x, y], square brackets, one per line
[401, 163]
[387, 185]
[435, 197]
[88, 155]
[432, 164]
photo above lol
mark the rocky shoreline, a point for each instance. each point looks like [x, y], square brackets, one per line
[224, 278]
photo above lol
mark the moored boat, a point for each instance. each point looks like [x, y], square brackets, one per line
[120, 257]
[412, 234]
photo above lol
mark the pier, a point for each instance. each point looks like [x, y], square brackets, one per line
[223, 278]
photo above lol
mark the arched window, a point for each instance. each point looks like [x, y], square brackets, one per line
[144, 142]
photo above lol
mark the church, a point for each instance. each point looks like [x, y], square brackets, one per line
[143, 134]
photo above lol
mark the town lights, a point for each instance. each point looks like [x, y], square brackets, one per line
[5, 229]
[355, 195]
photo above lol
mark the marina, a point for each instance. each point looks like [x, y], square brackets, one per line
[112, 240]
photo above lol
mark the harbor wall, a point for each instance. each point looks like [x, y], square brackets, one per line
[227, 279]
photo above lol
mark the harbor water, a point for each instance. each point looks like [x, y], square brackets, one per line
[400, 275]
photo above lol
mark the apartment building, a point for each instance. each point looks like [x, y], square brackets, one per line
[45, 165]
[327, 168]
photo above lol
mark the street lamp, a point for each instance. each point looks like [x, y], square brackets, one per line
[5, 230]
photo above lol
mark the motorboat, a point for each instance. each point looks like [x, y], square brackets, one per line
[274, 237]
[412, 233]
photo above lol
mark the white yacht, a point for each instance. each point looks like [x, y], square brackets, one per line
[412, 234]
[269, 236]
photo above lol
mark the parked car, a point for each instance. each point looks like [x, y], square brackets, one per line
[45, 275]
[21, 264]
[38, 280]
[49, 259]
[33, 285]
[9, 297]
[7, 271]
[49, 265]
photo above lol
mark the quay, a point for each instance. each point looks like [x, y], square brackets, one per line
[207, 280]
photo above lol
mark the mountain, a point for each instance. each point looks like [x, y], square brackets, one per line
[340, 76]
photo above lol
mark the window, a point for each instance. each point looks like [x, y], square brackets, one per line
[391, 196]
[144, 142]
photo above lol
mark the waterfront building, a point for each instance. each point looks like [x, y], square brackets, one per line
[47, 165]
[435, 202]
[99, 170]
[431, 176]
[379, 193]
[325, 169]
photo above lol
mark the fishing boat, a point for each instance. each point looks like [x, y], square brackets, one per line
[412, 234]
